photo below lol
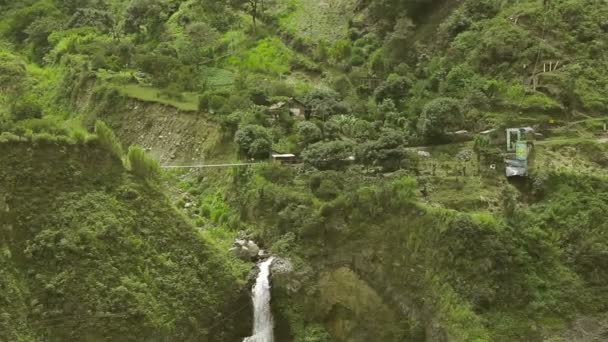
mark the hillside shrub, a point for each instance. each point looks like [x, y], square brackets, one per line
[341, 51]
[26, 107]
[438, 116]
[107, 139]
[12, 71]
[327, 190]
[141, 164]
[324, 103]
[388, 152]
[253, 141]
[308, 133]
[328, 155]
[395, 87]
[48, 125]
[270, 55]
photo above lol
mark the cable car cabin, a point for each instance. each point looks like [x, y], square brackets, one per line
[286, 158]
[520, 148]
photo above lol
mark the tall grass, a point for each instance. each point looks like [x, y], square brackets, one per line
[141, 164]
[108, 139]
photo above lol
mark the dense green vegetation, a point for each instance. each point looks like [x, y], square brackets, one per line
[386, 243]
[91, 252]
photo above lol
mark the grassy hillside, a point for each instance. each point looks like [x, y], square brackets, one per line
[91, 252]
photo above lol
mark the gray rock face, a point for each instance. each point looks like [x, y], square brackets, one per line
[282, 266]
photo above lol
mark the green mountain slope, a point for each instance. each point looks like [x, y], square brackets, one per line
[89, 252]
[397, 223]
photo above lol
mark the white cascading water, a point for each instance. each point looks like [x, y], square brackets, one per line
[263, 324]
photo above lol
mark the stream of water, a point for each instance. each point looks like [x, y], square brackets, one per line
[263, 324]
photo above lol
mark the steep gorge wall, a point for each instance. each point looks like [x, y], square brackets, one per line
[91, 252]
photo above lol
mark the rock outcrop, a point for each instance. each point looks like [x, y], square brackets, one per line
[245, 249]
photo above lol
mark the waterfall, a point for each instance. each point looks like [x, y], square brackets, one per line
[262, 315]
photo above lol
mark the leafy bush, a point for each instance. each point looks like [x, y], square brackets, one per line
[105, 100]
[321, 51]
[327, 190]
[342, 85]
[48, 125]
[341, 51]
[387, 152]
[308, 132]
[438, 116]
[324, 103]
[163, 68]
[327, 155]
[12, 71]
[270, 55]
[26, 107]
[253, 141]
[395, 87]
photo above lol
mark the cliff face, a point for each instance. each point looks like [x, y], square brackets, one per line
[91, 252]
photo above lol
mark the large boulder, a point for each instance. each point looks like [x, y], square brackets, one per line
[245, 249]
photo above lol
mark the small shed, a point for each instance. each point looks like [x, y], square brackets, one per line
[284, 158]
[296, 107]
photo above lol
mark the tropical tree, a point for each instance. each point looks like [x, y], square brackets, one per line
[327, 155]
[253, 141]
[437, 116]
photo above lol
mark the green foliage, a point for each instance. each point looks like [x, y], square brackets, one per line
[149, 274]
[12, 71]
[397, 41]
[186, 102]
[498, 270]
[328, 155]
[215, 208]
[91, 17]
[46, 125]
[309, 133]
[270, 55]
[325, 103]
[342, 85]
[438, 116]
[341, 51]
[316, 334]
[253, 141]
[387, 152]
[163, 68]
[326, 185]
[26, 107]
[395, 88]
[141, 164]
[108, 140]
[481, 145]
[21, 20]
[321, 51]
[145, 17]
[377, 62]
